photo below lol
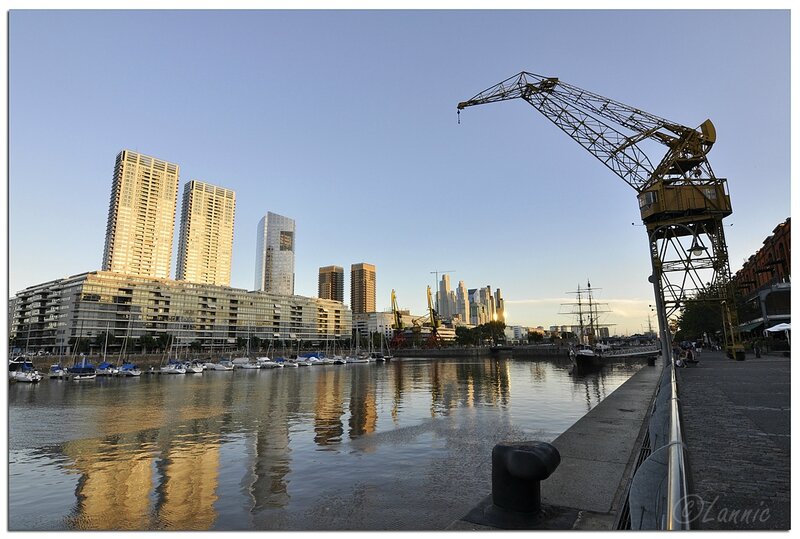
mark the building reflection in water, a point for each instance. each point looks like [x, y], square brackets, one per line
[113, 492]
[268, 487]
[166, 474]
[363, 406]
[328, 408]
[186, 494]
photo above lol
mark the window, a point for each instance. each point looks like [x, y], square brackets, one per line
[287, 240]
[648, 198]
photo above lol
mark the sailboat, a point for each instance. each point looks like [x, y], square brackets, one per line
[173, 366]
[586, 354]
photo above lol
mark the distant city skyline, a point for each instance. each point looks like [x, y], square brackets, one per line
[361, 145]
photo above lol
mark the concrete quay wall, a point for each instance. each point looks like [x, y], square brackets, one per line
[598, 455]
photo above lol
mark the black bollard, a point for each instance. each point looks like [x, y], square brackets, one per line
[517, 469]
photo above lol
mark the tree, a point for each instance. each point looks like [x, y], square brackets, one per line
[163, 341]
[697, 317]
[82, 346]
[465, 336]
[534, 336]
[147, 342]
[195, 346]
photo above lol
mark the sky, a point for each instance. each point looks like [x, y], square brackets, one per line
[346, 121]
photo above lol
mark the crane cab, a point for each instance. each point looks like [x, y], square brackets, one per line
[665, 200]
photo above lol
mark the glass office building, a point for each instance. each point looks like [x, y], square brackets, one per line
[275, 247]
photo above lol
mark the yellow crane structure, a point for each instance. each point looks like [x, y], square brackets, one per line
[682, 203]
[397, 325]
[434, 339]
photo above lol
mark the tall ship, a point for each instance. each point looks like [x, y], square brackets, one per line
[587, 353]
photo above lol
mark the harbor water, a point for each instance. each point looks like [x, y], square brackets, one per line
[402, 445]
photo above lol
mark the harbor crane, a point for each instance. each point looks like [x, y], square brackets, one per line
[682, 203]
[397, 325]
[434, 339]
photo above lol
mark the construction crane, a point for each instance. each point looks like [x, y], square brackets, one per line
[682, 203]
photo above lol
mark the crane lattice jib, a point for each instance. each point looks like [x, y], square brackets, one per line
[585, 117]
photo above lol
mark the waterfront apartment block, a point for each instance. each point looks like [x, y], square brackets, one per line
[51, 315]
[275, 250]
[331, 283]
[205, 246]
[362, 288]
[141, 216]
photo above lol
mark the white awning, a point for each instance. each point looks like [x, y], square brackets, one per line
[780, 327]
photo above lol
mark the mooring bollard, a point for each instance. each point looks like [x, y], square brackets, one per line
[517, 470]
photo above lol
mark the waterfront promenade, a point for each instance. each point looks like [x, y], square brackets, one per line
[736, 420]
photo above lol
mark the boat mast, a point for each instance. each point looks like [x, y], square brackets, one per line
[592, 315]
[105, 344]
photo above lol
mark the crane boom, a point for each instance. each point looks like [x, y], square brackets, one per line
[597, 124]
[680, 199]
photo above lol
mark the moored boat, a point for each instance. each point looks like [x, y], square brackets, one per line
[20, 369]
[57, 371]
[129, 369]
[267, 363]
[106, 369]
[193, 367]
[82, 371]
[248, 365]
[221, 365]
[173, 367]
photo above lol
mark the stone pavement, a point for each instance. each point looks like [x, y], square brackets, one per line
[736, 426]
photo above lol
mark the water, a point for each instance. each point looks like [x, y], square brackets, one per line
[404, 445]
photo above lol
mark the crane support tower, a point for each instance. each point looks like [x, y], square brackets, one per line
[682, 203]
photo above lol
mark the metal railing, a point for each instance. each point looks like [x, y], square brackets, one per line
[677, 491]
[657, 499]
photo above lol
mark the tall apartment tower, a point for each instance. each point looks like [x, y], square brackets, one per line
[205, 245]
[331, 283]
[362, 288]
[275, 254]
[141, 216]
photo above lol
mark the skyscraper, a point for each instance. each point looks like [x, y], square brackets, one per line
[205, 246]
[500, 307]
[331, 283]
[141, 216]
[275, 254]
[362, 288]
[443, 297]
[462, 302]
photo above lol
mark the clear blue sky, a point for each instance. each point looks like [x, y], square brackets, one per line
[346, 121]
